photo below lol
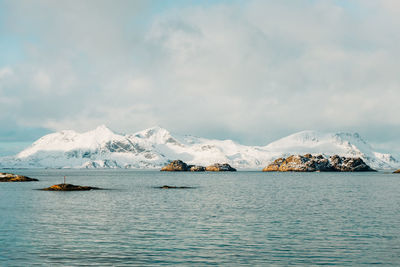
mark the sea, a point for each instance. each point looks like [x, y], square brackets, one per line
[243, 218]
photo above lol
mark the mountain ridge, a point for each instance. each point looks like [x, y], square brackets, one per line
[156, 146]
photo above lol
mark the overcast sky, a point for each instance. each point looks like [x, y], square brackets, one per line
[251, 71]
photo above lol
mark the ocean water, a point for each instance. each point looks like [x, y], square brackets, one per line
[228, 219]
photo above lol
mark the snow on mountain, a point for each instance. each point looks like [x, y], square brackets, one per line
[99, 148]
[343, 144]
[70, 140]
[154, 147]
[195, 150]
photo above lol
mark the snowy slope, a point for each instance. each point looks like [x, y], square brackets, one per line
[154, 147]
[343, 144]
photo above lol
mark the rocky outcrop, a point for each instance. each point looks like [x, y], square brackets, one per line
[344, 164]
[69, 187]
[175, 166]
[217, 167]
[174, 187]
[319, 163]
[179, 165]
[195, 168]
[10, 177]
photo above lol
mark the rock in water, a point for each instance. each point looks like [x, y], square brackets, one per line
[344, 164]
[195, 168]
[274, 166]
[179, 165]
[10, 177]
[176, 166]
[174, 187]
[398, 171]
[69, 187]
[217, 167]
[310, 163]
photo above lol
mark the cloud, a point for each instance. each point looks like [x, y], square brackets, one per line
[251, 71]
[6, 71]
[42, 80]
[321, 66]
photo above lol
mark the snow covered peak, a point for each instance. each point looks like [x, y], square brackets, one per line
[156, 135]
[155, 130]
[353, 138]
[101, 134]
[102, 129]
[68, 140]
[303, 138]
[315, 138]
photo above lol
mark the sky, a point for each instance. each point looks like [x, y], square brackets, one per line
[251, 71]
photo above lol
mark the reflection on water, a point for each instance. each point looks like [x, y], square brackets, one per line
[251, 218]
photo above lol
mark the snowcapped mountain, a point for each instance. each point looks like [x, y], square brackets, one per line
[154, 147]
[343, 144]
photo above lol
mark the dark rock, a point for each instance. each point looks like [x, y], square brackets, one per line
[9, 177]
[345, 164]
[69, 187]
[217, 167]
[174, 187]
[319, 163]
[195, 168]
[175, 166]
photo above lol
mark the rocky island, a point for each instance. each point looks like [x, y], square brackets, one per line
[319, 163]
[176, 166]
[10, 177]
[179, 165]
[217, 167]
[69, 187]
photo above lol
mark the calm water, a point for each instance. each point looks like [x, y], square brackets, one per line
[243, 218]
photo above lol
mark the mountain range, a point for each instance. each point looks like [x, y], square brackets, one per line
[155, 147]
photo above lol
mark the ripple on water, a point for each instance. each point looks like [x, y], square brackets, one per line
[243, 218]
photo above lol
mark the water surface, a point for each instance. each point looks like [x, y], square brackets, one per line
[242, 218]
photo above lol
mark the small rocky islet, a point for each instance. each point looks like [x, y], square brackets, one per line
[318, 163]
[174, 187]
[10, 177]
[217, 167]
[179, 165]
[69, 187]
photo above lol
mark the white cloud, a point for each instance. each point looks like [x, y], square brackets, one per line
[42, 80]
[6, 71]
[250, 71]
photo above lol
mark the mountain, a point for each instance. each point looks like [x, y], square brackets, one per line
[343, 144]
[154, 147]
